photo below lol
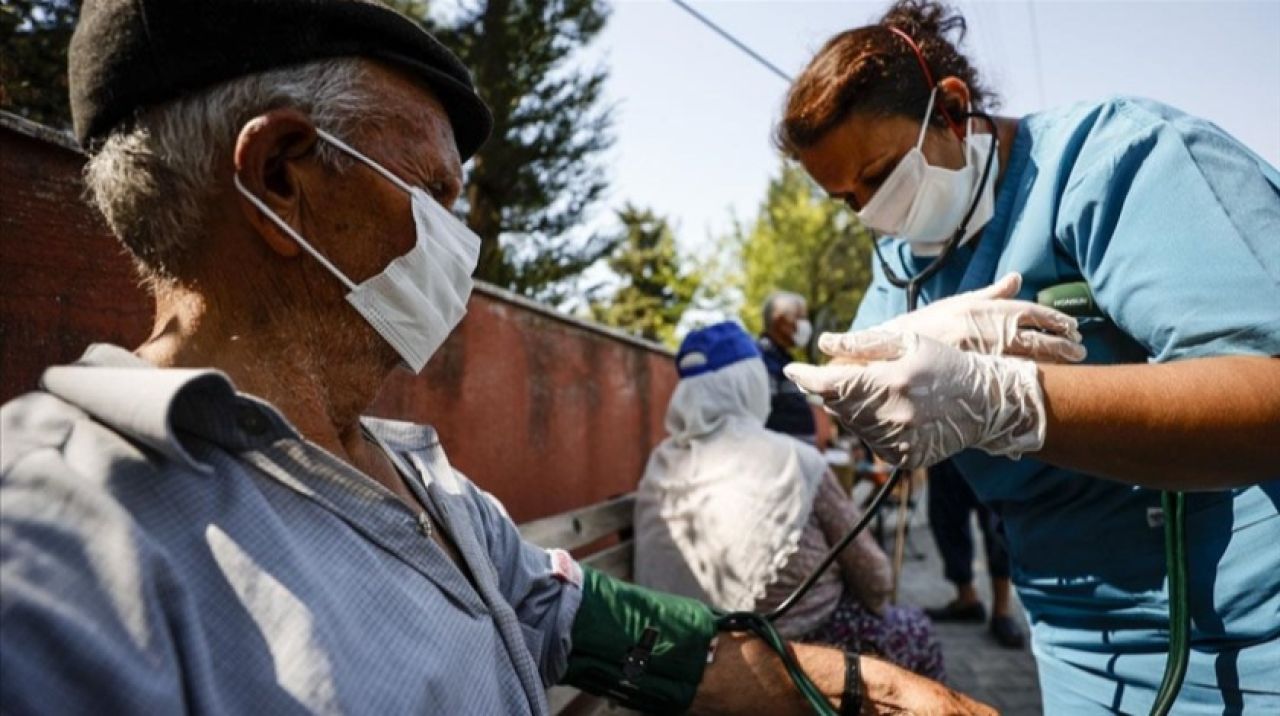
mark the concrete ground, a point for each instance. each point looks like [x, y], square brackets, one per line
[976, 664]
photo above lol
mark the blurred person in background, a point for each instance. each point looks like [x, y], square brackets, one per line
[952, 506]
[785, 317]
[737, 516]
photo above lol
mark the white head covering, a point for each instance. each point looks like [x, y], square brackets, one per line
[723, 501]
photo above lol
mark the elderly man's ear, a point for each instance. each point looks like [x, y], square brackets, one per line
[269, 157]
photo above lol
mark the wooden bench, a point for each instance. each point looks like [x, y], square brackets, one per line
[600, 536]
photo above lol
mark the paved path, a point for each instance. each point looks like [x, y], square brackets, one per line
[976, 665]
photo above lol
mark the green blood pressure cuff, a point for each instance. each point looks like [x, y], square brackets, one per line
[644, 649]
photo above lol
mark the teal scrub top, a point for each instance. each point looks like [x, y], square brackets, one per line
[1175, 226]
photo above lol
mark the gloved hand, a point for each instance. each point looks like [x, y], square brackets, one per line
[916, 401]
[985, 321]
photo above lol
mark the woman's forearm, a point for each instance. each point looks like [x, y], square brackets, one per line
[1200, 424]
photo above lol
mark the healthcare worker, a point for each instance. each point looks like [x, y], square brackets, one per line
[1174, 227]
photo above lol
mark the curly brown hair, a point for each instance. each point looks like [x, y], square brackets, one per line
[872, 69]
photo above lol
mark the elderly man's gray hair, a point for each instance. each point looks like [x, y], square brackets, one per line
[153, 178]
[780, 302]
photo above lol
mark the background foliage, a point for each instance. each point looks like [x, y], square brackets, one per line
[802, 241]
[657, 284]
[536, 180]
[532, 188]
[33, 67]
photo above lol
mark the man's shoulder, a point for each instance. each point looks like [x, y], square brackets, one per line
[774, 357]
[34, 422]
[53, 449]
[57, 479]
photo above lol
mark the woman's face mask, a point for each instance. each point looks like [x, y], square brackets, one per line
[924, 204]
[418, 299]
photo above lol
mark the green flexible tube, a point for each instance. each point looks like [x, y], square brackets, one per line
[1175, 555]
[1175, 551]
[763, 628]
[1076, 299]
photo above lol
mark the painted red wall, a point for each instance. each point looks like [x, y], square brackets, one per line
[546, 412]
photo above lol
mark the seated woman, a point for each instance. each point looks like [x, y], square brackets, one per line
[737, 516]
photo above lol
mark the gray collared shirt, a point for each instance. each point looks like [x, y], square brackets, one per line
[169, 545]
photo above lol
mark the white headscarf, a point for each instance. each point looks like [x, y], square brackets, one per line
[723, 501]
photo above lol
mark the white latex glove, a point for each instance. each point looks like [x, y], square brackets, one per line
[987, 320]
[916, 401]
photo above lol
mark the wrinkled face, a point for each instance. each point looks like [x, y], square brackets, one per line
[355, 217]
[359, 219]
[852, 160]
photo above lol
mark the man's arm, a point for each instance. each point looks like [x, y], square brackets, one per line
[649, 651]
[1200, 424]
[537, 583]
[748, 678]
[82, 629]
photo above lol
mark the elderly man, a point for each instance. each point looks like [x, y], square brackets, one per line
[207, 523]
[785, 317]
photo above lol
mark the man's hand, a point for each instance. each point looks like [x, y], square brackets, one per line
[984, 321]
[748, 678]
[915, 401]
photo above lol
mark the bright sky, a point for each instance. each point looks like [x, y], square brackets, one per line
[694, 114]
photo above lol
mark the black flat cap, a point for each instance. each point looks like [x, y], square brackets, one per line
[129, 54]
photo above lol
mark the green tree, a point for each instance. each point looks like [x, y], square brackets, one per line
[532, 184]
[527, 190]
[33, 69]
[802, 241]
[656, 284]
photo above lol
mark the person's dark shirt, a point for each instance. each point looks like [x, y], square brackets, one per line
[789, 412]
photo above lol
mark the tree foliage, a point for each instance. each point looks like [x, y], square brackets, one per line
[532, 184]
[802, 241]
[33, 69]
[657, 284]
[527, 190]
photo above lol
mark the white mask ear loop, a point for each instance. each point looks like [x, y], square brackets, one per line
[924, 127]
[928, 113]
[284, 226]
[968, 133]
[372, 164]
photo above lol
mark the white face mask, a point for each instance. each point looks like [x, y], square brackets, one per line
[803, 332]
[924, 204]
[418, 299]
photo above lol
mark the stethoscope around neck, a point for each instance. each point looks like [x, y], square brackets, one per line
[913, 283]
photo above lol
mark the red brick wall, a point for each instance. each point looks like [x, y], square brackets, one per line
[546, 413]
